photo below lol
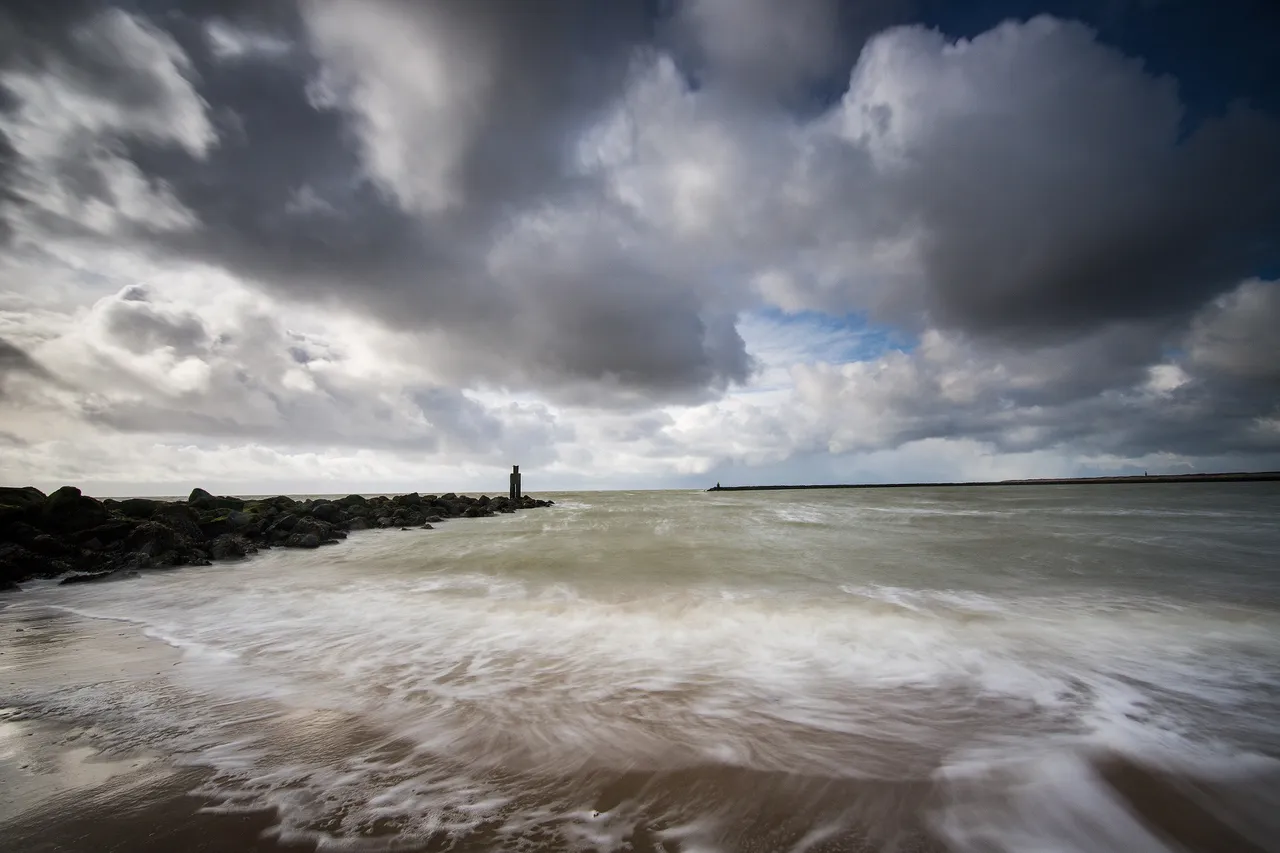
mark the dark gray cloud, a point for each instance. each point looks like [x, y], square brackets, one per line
[15, 361]
[1039, 184]
[140, 327]
[379, 167]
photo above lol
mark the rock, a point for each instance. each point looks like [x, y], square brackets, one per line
[46, 546]
[434, 519]
[94, 544]
[353, 500]
[199, 496]
[303, 540]
[402, 529]
[9, 586]
[360, 524]
[181, 518]
[228, 547]
[411, 499]
[449, 497]
[200, 499]
[314, 527]
[86, 577]
[415, 519]
[385, 521]
[427, 527]
[28, 497]
[216, 522]
[17, 563]
[67, 511]
[155, 540]
[108, 534]
[284, 522]
[483, 500]
[327, 512]
[139, 507]
[21, 532]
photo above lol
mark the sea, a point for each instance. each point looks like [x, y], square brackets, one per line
[1039, 669]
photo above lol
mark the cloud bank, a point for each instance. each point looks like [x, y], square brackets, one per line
[619, 248]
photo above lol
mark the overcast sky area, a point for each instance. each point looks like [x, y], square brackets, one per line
[316, 246]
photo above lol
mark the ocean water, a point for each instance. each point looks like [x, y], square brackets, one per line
[1067, 668]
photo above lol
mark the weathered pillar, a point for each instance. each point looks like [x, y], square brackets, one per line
[515, 482]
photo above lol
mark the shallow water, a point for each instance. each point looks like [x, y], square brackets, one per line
[1068, 668]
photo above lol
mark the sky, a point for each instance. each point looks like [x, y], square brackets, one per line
[316, 246]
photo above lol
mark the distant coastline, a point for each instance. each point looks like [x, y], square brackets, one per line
[1232, 477]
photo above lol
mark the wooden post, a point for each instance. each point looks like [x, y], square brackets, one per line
[515, 482]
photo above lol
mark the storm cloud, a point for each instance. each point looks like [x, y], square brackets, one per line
[571, 212]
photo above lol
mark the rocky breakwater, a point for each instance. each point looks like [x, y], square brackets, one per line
[70, 535]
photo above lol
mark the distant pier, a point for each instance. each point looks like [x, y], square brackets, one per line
[1237, 477]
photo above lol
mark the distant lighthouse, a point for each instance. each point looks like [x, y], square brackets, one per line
[515, 482]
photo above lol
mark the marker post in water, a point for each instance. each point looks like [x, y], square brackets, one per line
[515, 482]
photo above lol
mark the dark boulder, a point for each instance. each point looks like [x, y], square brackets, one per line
[139, 507]
[28, 497]
[427, 527]
[153, 539]
[415, 519]
[17, 564]
[285, 522]
[360, 524]
[219, 521]
[20, 532]
[200, 499]
[87, 577]
[303, 540]
[483, 500]
[199, 496]
[182, 518]
[448, 497]
[314, 527]
[107, 534]
[228, 547]
[11, 515]
[353, 500]
[327, 512]
[46, 546]
[385, 521]
[66, 511]
[434, 519]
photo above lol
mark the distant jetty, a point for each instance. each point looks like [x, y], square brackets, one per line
[1234, 477]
